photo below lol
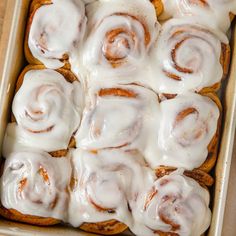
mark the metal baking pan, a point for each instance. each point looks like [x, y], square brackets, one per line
[12, 62]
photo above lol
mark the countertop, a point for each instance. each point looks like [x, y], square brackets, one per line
[230, 212]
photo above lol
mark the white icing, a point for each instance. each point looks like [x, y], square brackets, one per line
[138, 29]
[106, 180]
[47, 109]
[57, 29]
[190, 52]
[174, 198]
[35, 183]
[214, 11]
[104, 185]
[116, 121]
[183, 139]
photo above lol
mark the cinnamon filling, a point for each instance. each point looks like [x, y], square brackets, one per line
[100, 208]
[44, 174]
[201, 3]
[165, 216]
[149, 197]
[114, 40]
[22, 184]
[41, 131]
[117, 92]
[183, 114]
[173, 56]
[120, 41]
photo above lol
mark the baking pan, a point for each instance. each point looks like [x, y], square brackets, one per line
[12, 62]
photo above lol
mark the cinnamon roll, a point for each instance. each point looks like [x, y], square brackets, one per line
[120, 36]
[189, 57]
[189, 131]
[54, 32]
[218, 12]
[119, 117]
[34, 188]
[103, 182]
[47, 109]
[173, 205]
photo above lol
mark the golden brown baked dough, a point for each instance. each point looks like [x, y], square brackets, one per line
[214, 144]
[225, 62]
[200, 176]
[15, 215]
[158, 6]
[110, 227]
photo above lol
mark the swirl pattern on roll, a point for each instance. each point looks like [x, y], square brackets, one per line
[174, 205]
[56, 31]
[187, 57]
[118, 117]
[103, 183]
[188, 124]
[34, 183]
[47, 110]
[215, 12]
[120, 36]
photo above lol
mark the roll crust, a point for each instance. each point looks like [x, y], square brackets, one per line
[225, 62]
[203, 178]
[110, 227]
[214, 144]
[158, 6]
[15, 215]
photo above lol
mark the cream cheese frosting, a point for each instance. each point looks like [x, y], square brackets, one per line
[186, 57]
[120, 37]
[104, 185]
[119, 117]
[124, 59]
[188, 124]
[213, 11]
[35, 183]
[47, 110]
[104, 182]
[174, 204]
[57, 30]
